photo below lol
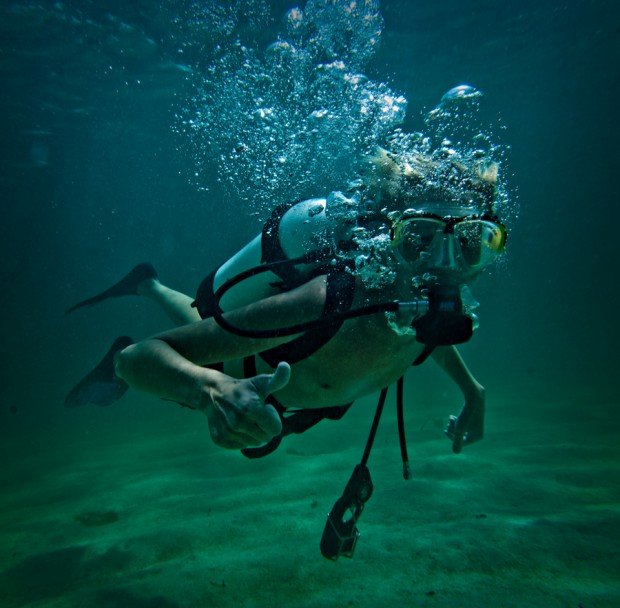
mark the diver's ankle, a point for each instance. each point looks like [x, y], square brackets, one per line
[147, 287]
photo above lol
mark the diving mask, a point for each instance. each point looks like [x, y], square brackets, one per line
[463, 244]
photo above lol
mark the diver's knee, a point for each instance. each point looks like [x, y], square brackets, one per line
[123, 359]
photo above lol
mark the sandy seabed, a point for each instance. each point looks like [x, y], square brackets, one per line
[530, 517]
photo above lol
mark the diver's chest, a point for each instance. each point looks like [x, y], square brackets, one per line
[367, 351]
[360, 359]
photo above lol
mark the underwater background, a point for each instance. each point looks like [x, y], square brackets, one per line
[116, 122]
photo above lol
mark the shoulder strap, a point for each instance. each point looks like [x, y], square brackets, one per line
[271, 247]
[205, 300]
[338, 299]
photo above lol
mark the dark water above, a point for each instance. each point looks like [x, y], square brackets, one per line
[95, 176]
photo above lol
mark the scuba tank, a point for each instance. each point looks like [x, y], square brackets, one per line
[290, 232]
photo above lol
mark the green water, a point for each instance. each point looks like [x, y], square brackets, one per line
[96, 175]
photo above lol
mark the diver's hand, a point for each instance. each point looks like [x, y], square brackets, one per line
[237, 413]
[468, 426]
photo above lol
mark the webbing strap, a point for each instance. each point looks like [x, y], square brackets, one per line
[340, 291]
[272, 247]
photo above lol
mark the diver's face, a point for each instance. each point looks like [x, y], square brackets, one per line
[450, 249]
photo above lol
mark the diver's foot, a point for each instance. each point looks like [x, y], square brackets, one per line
[129, 285]
[101, 386]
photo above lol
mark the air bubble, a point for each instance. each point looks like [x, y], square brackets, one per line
[306, 99]
[463, 91]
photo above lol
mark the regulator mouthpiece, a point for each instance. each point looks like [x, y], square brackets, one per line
[445, 322]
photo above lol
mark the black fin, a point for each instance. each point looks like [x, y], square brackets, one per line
[101, 386]
[127, 286]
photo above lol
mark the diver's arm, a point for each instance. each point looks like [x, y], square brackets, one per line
[169, 365]
[236, 410]
[450, 360]
[468, 427]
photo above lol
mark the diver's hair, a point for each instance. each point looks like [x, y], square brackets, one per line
[400, 181]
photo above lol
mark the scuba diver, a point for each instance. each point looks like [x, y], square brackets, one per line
[334, 300]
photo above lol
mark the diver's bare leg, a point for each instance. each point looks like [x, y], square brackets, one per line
[174, 303]
[142, 280]
[101, 386]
